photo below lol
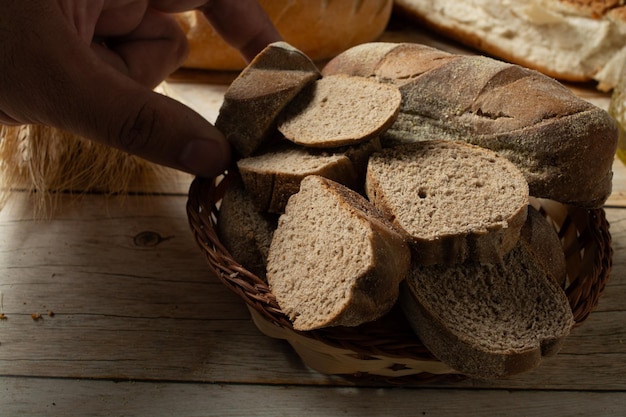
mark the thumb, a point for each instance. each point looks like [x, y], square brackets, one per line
[61, 82]
[121, 113]
[108, 107]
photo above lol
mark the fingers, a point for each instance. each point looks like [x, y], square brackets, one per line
[114, 110]
[52, 77]
[155, 48]
[242, 23]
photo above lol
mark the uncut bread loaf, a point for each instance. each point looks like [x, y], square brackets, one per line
[489, 320]
[260, 92]
[451, 200]
[563, 144]
[339, 110]
[244, 231]
[334, 259]
[273, 176]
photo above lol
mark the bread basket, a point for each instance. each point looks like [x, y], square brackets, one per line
[387, 350]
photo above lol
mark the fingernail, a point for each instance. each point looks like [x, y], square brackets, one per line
[205, 158]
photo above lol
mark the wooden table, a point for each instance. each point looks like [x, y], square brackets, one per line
[110, 310]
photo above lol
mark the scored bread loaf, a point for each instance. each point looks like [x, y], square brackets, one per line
[260, 92]
[451, 200]
[567, 39]
[334, 259]
[243, 230]
[339, 110]
[273, 176]
[489, 320]
[563, 144]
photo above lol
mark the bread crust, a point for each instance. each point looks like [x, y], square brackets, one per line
[320, 28]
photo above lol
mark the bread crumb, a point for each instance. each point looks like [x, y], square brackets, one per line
[3, 316]
[50, 313]
[36, 316]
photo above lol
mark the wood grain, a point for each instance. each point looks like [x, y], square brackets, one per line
[68, 398]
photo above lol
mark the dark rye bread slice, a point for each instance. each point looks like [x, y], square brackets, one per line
[490, 320]
[243, 230]
[339, 110]
[552, 135]
[452, 201]
[273, 176]
[334, 259]
[260, 92]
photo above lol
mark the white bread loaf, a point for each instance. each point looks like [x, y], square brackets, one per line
[319, 28]
[490, 320]
[334, 259]
[273, 176]
[566, 39]
[339, 110]
[451, 200]
[563, 144]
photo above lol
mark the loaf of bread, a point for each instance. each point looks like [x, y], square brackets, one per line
[275, 175]
[334, 259]
[489, 320]
[566, 39]
[319, 28]
[452, 201]
[256, 97]
[448, 227]
[563, 144]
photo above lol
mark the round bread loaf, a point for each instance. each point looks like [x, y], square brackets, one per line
[320, 28]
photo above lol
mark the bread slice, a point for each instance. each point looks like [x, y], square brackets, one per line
[542, 239]
[260, 92]
[244, 231]
[340, 110]
[334, 259]
[452, 201]
[273, 176]
[488, 320]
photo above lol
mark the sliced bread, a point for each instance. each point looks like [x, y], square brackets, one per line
[542, 239]
[340, 110]
[260, 92]
[334, 259]
[273, 176]
[451, 200]
[244, 231]
[488, 320]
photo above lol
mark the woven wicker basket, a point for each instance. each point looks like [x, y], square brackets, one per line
[387, 350]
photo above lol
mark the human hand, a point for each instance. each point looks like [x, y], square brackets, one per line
[89, 67]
